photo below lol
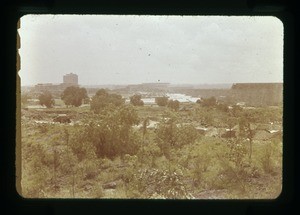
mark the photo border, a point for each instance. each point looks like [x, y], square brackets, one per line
[14, 203]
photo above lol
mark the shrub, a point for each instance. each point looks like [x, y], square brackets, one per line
[236, 169]
[270, 155]
[155, 183]
[170, 134]
[112, 135]
[173, 104]
[161, 101]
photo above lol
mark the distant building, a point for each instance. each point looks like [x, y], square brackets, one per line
[148, 86]
[257, 94]
[70, 79]
[258, 86]
[44, 86]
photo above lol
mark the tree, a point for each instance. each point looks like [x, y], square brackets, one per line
[136, 100]
[46, 99]
[74, 95]
[161, 101]
[103, 99]
[111, 134]
[171, 134]
[173, 104]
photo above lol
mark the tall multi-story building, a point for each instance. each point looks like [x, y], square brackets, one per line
[70, 79]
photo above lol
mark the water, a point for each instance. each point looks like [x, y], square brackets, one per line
[181, 97]
[175, 96]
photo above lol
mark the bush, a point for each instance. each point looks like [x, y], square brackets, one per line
[112, 135]
[148, 154]
[169, 134]
[155, 183]
[161, 101]
[269, 157]
[236, 169]
[173, 104]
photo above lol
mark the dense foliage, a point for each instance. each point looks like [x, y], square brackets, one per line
[103, 99]
[161, 101]
[111, 133]
[46, 99]
[173, 104]
[74, 96]
[136, 100]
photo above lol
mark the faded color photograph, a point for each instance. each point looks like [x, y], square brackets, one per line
[150, 107]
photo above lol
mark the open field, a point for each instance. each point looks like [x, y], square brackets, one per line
[151, 152]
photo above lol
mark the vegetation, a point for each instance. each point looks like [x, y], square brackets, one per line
[208, 102]
[173, 104]
[136, 100]
[117, 150]
[46, 99]
[161, 101]
[111, 134]
[103, 99]
[74, 96]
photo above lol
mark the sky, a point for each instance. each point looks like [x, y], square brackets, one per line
[131, 49]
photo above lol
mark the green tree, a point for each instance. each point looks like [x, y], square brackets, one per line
[173, 104]
[161, 101]
[136, 100]
[170, 134]
[103, 99]
[46, 99]
[111, 134]
[74, 96]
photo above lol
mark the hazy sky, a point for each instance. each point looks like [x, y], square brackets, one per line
[104, 49]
